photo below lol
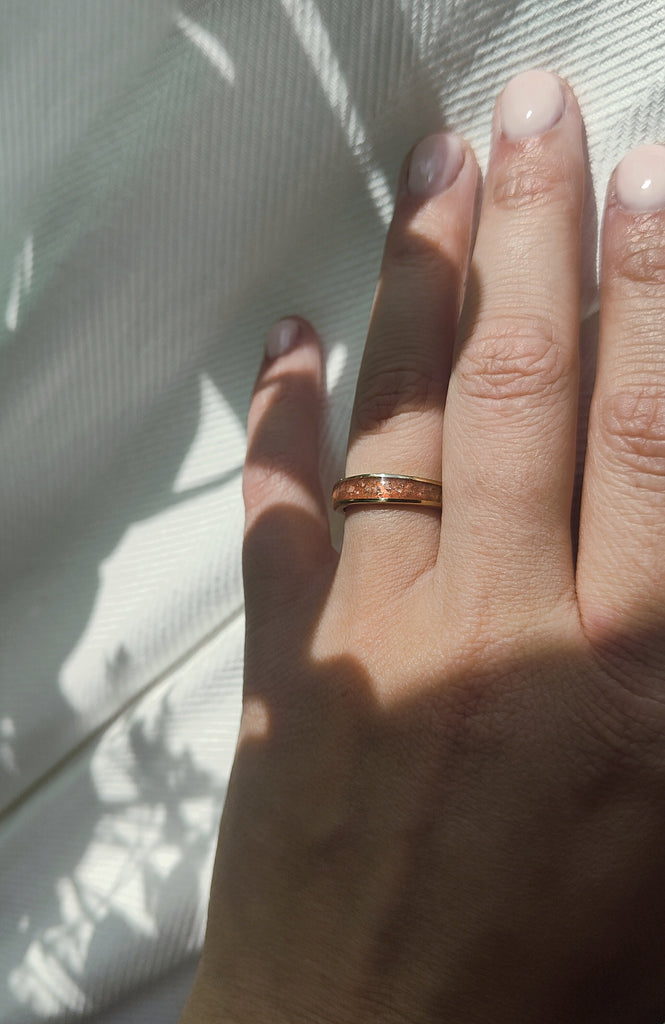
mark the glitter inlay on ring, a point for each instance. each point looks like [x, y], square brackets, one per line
[385, 489]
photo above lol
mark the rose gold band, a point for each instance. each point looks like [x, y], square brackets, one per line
[385, 489]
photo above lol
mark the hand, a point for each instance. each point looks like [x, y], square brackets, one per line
[448, 798]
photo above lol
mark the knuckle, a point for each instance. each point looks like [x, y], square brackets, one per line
[532, 181]
[639, 261]
[512, 363]
[627, 709]
[265, 477]
[387, 393]
[272, 407]
[415, 261]
[633, 428]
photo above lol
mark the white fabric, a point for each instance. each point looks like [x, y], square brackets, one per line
[173, 180]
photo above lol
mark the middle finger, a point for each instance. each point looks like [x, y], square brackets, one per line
[509, 428]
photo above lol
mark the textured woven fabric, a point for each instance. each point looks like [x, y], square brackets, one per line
[174, 178]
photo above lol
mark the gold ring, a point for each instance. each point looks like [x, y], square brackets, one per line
[385, 489]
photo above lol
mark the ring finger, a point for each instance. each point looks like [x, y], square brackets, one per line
[397, 416]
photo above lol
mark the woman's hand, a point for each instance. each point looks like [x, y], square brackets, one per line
[448, 798]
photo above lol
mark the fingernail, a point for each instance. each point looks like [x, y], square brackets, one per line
[282, 337]
[531, 103]
[640, 179]
[435, 163]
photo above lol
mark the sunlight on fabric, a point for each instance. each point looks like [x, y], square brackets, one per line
[209, 45]
[113, 888]
[132, 840]
[149, 850]
[7, 735]
[335, 363]
[21, 282]
[220, 437]
[315, 41]
[427, 19]
[42, 981]
[109, 874]
[47, 978]
[115, 645]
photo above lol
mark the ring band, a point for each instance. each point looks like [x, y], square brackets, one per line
[385, 489]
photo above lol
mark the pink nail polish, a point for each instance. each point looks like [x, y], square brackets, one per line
[640, 179]
[435, 163]
[531, 103]
[282, 337]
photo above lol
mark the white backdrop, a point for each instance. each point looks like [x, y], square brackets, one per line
[173, 179]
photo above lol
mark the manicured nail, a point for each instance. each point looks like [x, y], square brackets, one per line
[282, 337]
[530, 104]
[640, 179]
[435, 163]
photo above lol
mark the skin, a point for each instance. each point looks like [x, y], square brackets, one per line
[447, 801]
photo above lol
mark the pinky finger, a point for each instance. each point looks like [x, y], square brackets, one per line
[287, 536]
